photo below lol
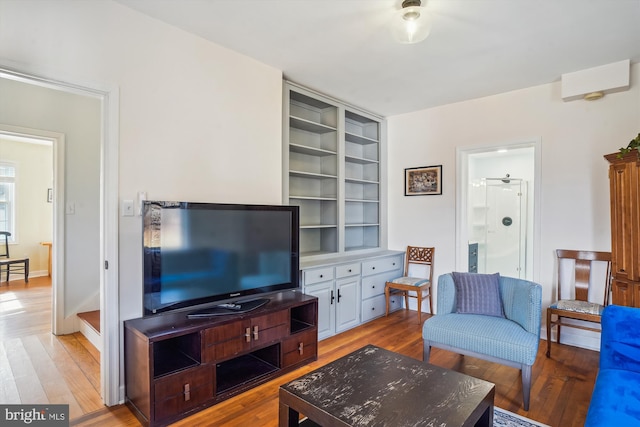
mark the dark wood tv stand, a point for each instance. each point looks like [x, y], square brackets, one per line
[176, 366]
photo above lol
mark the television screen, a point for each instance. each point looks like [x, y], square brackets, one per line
[197, 253]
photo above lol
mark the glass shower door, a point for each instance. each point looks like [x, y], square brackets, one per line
[505, 227]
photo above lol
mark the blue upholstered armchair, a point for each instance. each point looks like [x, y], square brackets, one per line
[615, 400]
[511, 340]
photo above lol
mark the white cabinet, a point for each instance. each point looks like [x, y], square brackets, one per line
[333, 170]
[350, 290]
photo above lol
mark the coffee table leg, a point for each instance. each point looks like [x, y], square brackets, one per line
[288, 417]
[486, 420]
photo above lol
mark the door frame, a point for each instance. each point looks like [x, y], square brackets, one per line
[462, 165]
[108, 95]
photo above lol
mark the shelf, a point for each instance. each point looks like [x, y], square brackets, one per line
[360, 181]
[299, 326]
[358, 139]
[320, 199]
[309, 126]
[360, 248]
[361, 201]
[360, 160]
[177, 362]
[311, 151]
[244, 369]
[303, 174]
[362, 225]
[308, 227]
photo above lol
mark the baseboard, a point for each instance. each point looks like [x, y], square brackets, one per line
[575, 337]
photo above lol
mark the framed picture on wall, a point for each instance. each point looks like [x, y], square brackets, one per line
[423, 181]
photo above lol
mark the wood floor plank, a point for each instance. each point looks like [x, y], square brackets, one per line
[24, 374]
[8, 388]
[87, 363]
[83, 390]
[51, 379]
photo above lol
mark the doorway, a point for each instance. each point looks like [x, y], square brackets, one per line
[498, 201]
[105, 223]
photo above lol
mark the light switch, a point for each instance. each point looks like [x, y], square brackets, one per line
[127, 208]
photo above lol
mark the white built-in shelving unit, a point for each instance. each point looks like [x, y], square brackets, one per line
[333, 160]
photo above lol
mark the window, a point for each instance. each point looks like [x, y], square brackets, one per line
[7, 198]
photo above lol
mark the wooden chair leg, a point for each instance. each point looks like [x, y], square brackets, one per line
[386, 297]
[549, 327]
[430, 302]
[26, 271]
[406, 300]
[419, 295]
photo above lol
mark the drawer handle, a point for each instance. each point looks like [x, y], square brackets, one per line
[187, 392]
[301, 348]
[247, 334]
[255, 333]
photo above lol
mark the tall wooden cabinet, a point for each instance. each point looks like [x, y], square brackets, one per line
[333, 170]
[624, 180]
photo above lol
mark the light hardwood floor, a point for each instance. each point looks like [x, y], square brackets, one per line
[38, 367]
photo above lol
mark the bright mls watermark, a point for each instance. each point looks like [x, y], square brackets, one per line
[34, 415]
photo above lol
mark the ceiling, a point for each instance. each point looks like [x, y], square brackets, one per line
[476, 48]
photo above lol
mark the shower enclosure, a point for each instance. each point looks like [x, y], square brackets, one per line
[498, 224]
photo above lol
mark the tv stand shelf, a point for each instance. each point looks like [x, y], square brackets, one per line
[176, 366]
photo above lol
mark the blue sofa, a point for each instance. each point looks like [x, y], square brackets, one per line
[616, 395]
[511, 340]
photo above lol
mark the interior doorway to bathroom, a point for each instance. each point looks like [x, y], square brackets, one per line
[496, 214]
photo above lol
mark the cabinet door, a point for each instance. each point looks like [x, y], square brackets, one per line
[625, 214]
[622, 293]
[326, 307]
[347, 303]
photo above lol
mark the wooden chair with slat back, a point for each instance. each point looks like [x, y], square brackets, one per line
[417, 256]
[582, 279]
[12, 265]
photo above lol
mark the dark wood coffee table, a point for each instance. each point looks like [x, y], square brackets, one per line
[376, 387]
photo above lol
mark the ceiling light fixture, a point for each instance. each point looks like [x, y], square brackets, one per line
[412, 23]
[593, 96]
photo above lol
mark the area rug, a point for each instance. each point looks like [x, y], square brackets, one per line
[504, 418]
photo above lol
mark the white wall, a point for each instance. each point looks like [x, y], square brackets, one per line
[197, 122]
[33, 214]
[574, 183]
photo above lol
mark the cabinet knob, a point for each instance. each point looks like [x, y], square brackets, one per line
[394, 263]
[373, 286]
[373, 309]
[349, 270]
[373, 268]
[321, 276]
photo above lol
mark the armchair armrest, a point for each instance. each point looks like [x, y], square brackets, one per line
[446, 294]
[620, 342]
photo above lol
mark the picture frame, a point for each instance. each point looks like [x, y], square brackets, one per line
[423, 181]
[50, 195]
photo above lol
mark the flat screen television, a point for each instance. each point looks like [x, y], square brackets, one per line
[204, 253]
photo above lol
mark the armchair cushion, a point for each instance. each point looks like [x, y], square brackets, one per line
[478, 294]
